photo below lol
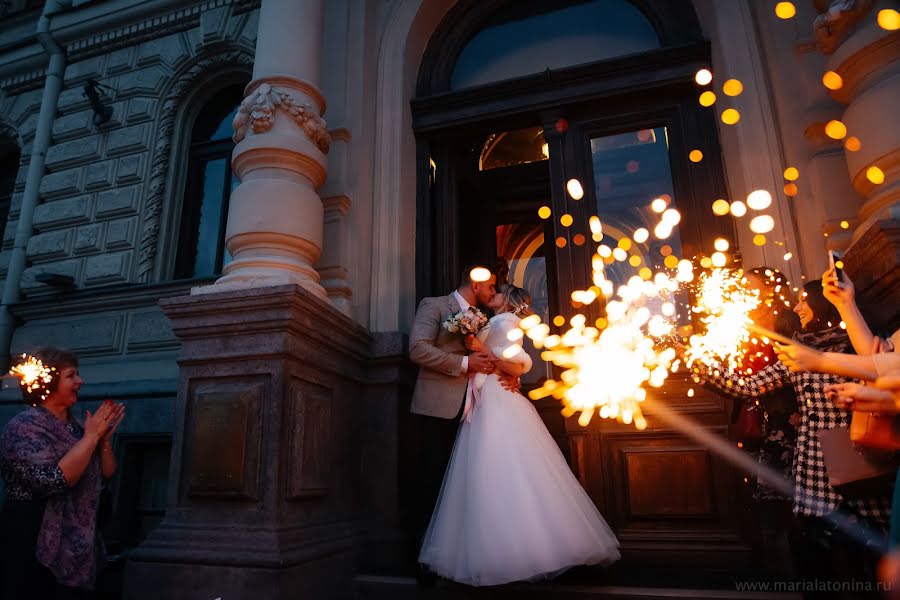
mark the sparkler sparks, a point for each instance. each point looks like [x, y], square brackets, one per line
[726, 303]
[33, 374]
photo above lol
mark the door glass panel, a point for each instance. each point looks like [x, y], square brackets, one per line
[522, 246]
[630, 171]
[509, 148]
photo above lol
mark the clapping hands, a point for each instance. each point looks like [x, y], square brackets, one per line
[102, 424]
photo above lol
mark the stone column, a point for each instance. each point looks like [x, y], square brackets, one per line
[275, 216]
[868, 60]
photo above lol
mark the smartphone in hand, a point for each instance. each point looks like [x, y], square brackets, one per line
[834, 262]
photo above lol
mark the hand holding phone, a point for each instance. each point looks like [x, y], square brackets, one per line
[834, 262]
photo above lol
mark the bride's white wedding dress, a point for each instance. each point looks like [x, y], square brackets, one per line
[510, 508]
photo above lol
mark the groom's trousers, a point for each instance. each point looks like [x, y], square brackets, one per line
[436, 438]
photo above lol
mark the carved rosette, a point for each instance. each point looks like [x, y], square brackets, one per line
[257, 112]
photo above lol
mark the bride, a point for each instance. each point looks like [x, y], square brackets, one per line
[510, 508]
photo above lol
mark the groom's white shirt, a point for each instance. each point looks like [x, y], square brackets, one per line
[463, 305]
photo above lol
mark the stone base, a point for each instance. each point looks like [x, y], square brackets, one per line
[324, 578]
[873, 263]
[266, 497]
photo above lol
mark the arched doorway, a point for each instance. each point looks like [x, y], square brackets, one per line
[512, 101]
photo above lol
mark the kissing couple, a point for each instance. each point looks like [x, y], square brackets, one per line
[497, 501]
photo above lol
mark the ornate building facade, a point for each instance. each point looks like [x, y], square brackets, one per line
[230, 208]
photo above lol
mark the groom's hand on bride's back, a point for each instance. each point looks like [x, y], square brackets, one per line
[481, 362]
[510, 382]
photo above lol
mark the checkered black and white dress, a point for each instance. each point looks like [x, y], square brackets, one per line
[814, 495]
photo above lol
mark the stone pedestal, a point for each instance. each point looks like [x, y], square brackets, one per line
[265, 490]
[873, 263]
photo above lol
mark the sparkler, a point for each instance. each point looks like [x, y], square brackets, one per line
[726, 302]
[33, 374]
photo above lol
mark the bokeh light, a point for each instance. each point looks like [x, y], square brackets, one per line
[544, 212]
[721, 244]
[852, 143]
[738, 208]
[889, 19]
[785, 10]
[719, 259]
[479, 274]
[658, 205]
[759, 199]
[566, 220]
[707, 98]
[762, 224]
[695, 156]
[835, 130]
[791, 173]
[573, 186]
[720, 207]
[832, 80]
[733, 87]
[641, 235]
[561, 242]
[759, 239]
[845, 225]
[703, 77]
[730, 116]
[791, 189]
[875, 175]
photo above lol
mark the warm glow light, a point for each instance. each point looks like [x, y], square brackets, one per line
[889, 19]
[785, 10]
[791, 173]
[662, 230]
[634, 260]
[875, 175]
[832, 80]
[706, 262]
[721, 244]
[738, 208]
[573, 186]
[707, 98]
[566, 220]
[730, 116]
[624, 243]
[641, 235]
[703, 77]
[845, 225]
[695, 156]
[759, 240]
[733, 87]
[544, 212]
[671, 261]
[619, 254]
[759, 200]
[721, 207]
[561, 242]
[852, 143]
[596, 226]
[790, 189]
[479, 274]
[578, 239]
[788, 255]
[658, 205]
[835, 130]
[762, 224]
[719, 259]
[559, 320]
[671, 217]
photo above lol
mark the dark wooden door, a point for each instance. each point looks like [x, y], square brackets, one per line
[670, 500]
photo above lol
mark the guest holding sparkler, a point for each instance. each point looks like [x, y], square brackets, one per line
[821, 551]
[52, 464]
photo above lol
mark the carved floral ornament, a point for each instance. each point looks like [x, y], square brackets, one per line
[258, 112]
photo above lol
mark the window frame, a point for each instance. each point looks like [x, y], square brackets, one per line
[170, 231]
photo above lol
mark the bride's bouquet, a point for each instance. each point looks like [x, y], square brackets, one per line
[465, 322]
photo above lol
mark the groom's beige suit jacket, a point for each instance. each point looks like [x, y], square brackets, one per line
[441, 386]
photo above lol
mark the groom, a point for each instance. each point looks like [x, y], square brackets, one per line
[441, 387]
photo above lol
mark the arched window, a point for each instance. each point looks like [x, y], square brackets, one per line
[208, 186]
[9, 166]
[529, 37]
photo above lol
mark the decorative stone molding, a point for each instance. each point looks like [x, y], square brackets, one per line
[24, 82]
[147, 29]
[8, 131]
[159, 166]
[257, 112]
[835, 20]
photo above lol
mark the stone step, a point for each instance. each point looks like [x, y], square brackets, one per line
[374, 587]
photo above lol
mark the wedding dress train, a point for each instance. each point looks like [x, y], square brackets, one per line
[509, 507]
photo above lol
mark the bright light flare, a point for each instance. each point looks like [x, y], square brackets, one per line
[33, 374]
[573, 186]
[479, 274]
[703, 77]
